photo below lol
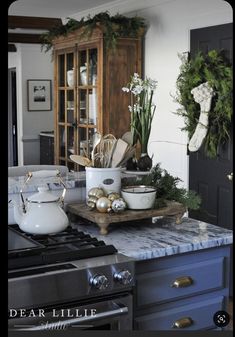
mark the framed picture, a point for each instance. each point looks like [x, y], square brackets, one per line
[39, 95]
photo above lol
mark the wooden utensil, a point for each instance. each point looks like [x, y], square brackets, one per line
[80, 160]
[119, 152]
[128, 154]
[127, 137]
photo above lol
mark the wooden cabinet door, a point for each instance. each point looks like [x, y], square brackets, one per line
[88, 98]
[65, 103]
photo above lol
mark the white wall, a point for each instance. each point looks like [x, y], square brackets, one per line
[170, 22]
[168, 35]
[30, 63]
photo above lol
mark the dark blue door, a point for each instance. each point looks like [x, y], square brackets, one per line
[211, 177]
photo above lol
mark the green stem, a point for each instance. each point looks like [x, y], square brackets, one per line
[144, 147]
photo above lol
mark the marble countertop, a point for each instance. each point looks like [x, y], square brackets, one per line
[146, 240]
[72, 180]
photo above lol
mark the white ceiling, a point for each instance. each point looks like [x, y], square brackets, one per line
[78, 8]
[53, 8]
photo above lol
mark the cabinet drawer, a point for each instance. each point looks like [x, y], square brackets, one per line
[199, 314]
[157, 286]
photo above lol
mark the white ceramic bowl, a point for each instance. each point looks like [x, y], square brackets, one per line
[139, 197]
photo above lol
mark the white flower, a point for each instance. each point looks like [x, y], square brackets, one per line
[152, 84]
[136, 108]
[137, 90]
[130, 108]
[125, 89]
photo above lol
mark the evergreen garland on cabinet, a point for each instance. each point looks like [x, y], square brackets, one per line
[113, 27]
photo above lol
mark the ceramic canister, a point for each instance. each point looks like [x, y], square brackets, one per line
[109, 179]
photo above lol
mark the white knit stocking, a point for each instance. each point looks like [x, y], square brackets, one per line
[199, 133]
[203, 95]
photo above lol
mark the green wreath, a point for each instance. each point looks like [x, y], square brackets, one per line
[213, 68]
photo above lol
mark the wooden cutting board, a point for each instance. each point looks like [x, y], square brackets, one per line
[173, 209]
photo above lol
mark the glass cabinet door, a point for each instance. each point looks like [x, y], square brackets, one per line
[66, 108]
[77, 105]
[87, 99]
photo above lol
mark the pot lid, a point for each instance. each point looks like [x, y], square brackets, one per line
[43, 195]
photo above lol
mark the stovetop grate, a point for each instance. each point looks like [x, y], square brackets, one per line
[64, 246]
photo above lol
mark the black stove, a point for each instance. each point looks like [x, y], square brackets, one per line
[26, 250]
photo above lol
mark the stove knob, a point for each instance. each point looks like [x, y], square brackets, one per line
[123, 277]
[99, 282]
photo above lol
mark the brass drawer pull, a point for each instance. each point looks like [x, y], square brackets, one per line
[182, 323]
[181, 282]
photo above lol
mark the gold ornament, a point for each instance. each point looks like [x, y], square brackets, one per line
[91, 202]
[96, 192]
[113, 195]
[91, 205]
[103, 204]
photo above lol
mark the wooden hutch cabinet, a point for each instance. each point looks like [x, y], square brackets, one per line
[88, 94]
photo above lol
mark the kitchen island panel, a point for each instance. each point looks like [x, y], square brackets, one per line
[156, 300]
[164, 252]
[196, 315]
[159, 286]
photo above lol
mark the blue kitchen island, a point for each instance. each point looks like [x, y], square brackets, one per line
[182, 270]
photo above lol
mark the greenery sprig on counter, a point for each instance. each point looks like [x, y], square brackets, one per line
[112, 26]
[167, 188]
[215, 69]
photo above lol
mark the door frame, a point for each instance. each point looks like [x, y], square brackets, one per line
[12, 119]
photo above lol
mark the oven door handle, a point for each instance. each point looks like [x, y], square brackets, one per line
[117, 310]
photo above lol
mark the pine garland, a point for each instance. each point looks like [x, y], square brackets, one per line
[112, 26]
[213, 68]
[167, 188]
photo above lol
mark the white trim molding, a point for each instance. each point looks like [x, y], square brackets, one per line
[117, 6]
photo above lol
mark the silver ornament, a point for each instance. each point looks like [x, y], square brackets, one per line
[103, 204]
[118, 205]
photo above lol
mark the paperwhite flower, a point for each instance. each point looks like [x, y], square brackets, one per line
[136, 108]
[125, 89]
[137, 90]
[152, 84]
[130, 108]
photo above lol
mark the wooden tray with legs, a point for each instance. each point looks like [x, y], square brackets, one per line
[173, 209]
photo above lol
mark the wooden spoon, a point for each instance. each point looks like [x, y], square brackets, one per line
[84, 161]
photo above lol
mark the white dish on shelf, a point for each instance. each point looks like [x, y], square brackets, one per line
[84, 121]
